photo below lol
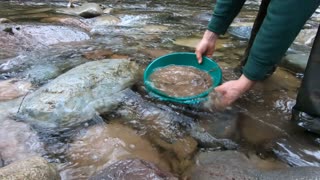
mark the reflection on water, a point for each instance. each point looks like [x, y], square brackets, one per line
[259, 122]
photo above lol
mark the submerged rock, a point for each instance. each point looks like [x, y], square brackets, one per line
[106, 20]
[102, 145]
[67, 20]
[79, 94]
[18, 141]
[19, 38]
[165, 123]
[43, 64]
[4, 20]
[87, 10]
[192, 42]
[13, 88]
[41, 73]
[154, 28]
[234, 165]
[297, 153]
[31, 168]
[306, 37]
[134, 169]
[242, 32]
[295, 62]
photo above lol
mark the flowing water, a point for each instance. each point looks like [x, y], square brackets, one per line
[141, 31]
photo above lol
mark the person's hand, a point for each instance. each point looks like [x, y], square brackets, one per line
[206, 45]
[227, 93]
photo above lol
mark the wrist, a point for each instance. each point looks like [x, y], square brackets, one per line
[211, 36]
[245, 83]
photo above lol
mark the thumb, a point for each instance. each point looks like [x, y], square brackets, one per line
[199, 57]
[220, 89]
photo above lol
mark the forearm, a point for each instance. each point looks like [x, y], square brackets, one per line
[223, 14]
[280, 27]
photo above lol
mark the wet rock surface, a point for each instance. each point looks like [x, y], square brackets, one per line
[296, 154]
[242, 32]
[76, 96]
[18, 141]
[296, 62]
[106, 20]
[13, 88]
[87, 10]
[234, 165]
[30, 168]
[134, 169]
[104, 144]
[164, 122]
[141, 32]
[67, 20]
[15, 39]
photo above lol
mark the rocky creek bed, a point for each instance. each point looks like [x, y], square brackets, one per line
[73, 104]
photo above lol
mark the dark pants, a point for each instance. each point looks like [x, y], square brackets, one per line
[306, 112]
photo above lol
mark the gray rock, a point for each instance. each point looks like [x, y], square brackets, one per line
[297, 153]
[79, 94]
[67, 20]
[101, 145]
[29, 169]
[18, 38]
[242, 32]
[1, 162]
[234, 165]
[295, 62]
[43, 64]
[4, 20]
[170, 125]
[87, 10]
[13, 88]
[133, 169]
[106, 20]
[306, 37]
[41, 73]
[18, 141]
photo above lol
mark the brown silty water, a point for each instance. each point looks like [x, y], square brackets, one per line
[180, 81]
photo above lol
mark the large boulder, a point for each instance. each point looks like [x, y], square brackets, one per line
[79, 94]
[29, 169]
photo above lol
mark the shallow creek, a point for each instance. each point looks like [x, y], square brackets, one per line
[259, 122]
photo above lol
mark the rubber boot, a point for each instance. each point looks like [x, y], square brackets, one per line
[306, 112]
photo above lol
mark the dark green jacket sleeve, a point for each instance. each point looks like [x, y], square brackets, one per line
[283, 22]
[223, 14]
